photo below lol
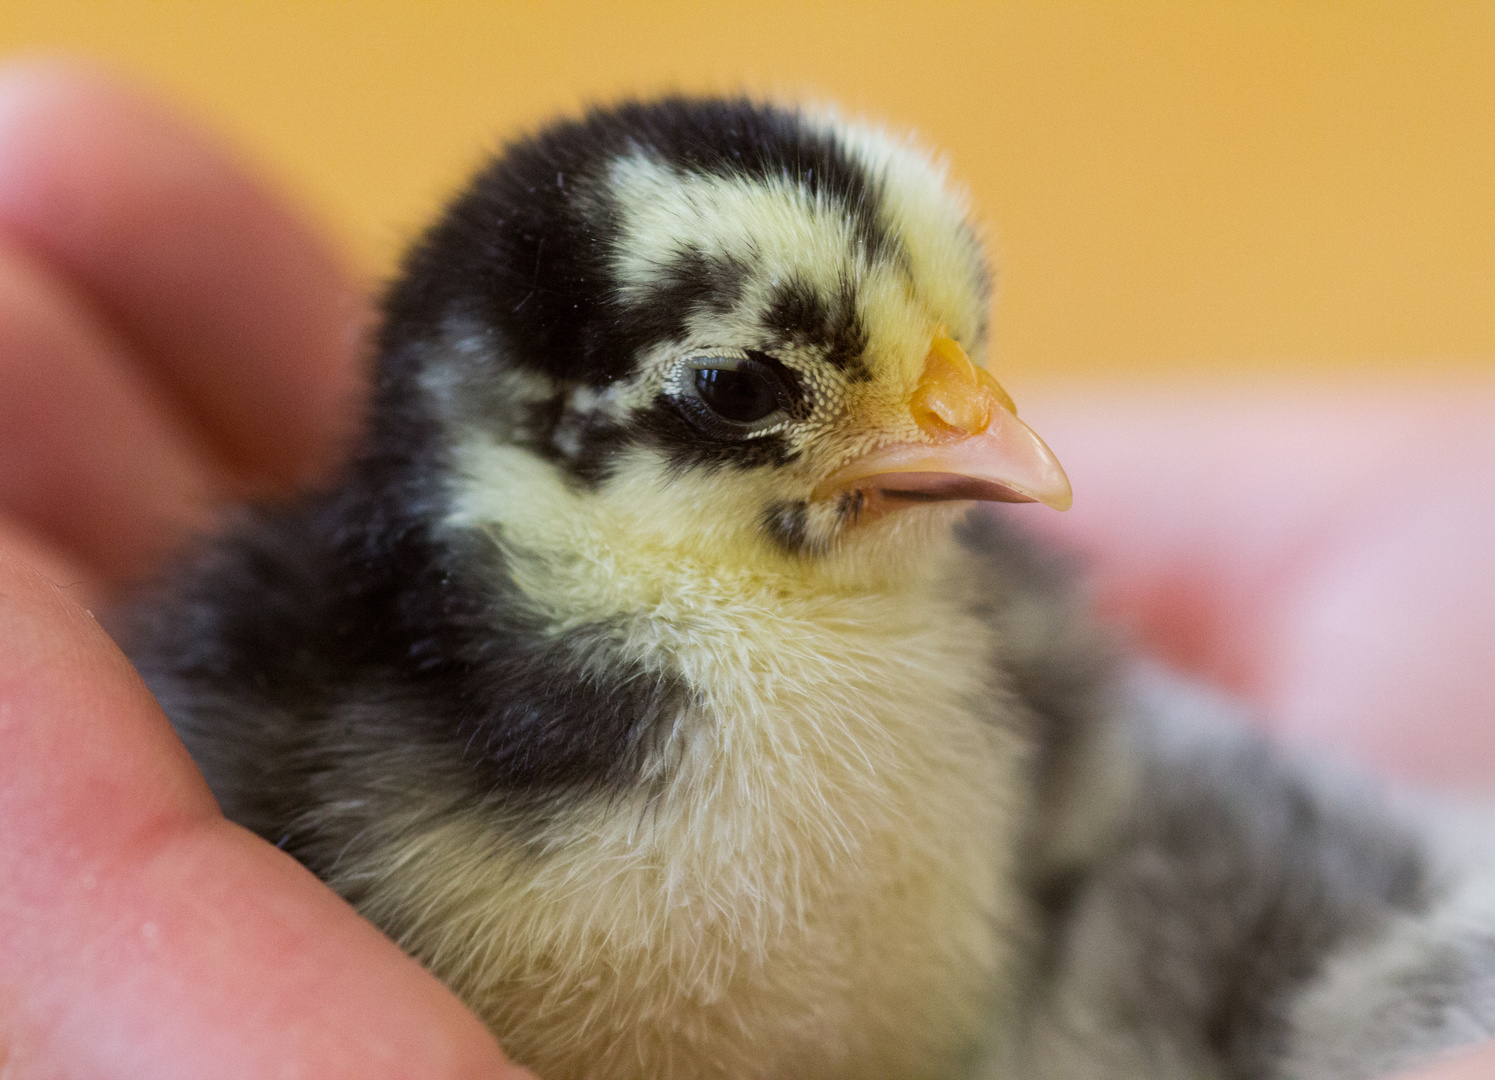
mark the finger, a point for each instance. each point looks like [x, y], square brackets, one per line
[23, 546]
[244, 316]
[143, 935]
[94, 462]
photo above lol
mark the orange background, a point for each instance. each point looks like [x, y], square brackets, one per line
[1171, 189]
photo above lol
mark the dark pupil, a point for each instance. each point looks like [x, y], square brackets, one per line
[736, 395]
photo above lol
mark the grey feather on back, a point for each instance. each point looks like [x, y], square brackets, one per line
[1215, 908]
[1210, 906]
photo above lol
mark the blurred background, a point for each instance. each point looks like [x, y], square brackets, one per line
[1171, 190]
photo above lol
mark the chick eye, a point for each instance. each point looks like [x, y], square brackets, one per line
[731, 398]
[739, 395]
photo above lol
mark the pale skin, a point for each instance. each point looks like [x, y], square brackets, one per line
[173, 338]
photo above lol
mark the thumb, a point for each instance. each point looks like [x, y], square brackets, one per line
[142, 934]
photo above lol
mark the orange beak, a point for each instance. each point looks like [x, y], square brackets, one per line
[975, 447]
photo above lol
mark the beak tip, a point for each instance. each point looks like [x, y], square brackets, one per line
[1057, 497]
[1061, 496]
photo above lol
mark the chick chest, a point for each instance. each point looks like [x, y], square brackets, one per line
[806, 877]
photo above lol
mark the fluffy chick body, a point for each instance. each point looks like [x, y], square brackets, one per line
[806, 876]
[673, 766]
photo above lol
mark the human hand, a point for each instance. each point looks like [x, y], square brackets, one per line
[170, 338]
[1326, 551]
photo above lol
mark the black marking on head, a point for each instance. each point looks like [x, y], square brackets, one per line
[663, 426]
[587, 445]
[696, 281]
[802, 314]
[693, 284]
[531, 258]
[787, 524]
[741, 138]
[594, 443]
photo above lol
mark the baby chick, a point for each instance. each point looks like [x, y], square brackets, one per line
[648, 677]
